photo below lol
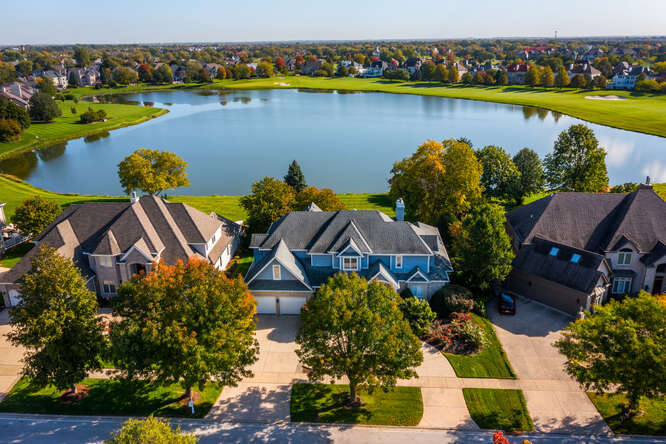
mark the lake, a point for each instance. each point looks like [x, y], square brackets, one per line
[344, 141]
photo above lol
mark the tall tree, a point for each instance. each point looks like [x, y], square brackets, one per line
[56, 321]
[482, 248]
[325, 199]
[46, 86]
[152, 171]
[501, 177]
[531, 171]
[462, 181]
[547, 78]
[577, 162]
[82, 57]
[43, 108]
[34, 214]
[441, 74]
[270, 200]
[562, 78]
[295, 177]
[453, 73]
[264, 69]
[11, 111]
[185, 322]
[621, 347]
[532, 76]
[355, 329]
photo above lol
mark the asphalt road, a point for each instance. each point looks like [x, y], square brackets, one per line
[40, 429]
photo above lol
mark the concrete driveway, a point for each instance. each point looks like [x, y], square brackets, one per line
[555, 401]
[10, 358]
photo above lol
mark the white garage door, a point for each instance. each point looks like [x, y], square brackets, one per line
[291, 305]
[14, 298]
[266, 304]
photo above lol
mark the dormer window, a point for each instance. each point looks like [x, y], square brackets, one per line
[624, 257]
[554, 251]
[106, 261]
[350, 263]
[575, 258]
[398, 262]
[276, 273]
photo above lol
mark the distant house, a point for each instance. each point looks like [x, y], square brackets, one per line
[351, 64]
[211, 69]
[111, 241]
[516, 73]
[311, 67]
[575, 250]
[18, 92]
[376, 69]
[304, 248]
[592, 54]
[85, 76]
[178, 73]
[59, 79]
[627, 78]
[413, 64]
[582, 69]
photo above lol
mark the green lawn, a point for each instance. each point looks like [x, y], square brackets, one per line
[110, 397]
[13, 255]
[68, 127]
[240, 265]
[490, 362]
[498, 409]
[651, 422]
[323, 403]
[13, 191]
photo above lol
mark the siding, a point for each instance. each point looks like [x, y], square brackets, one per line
[267, 273]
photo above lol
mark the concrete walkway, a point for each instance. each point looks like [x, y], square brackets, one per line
[10, 358]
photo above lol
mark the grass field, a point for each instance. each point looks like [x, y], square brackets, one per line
[324, 403]
[490, 362]
[14, 254]
[110, 397]
[639, 112]
[651, 422]
[498, 409]
[68, 127]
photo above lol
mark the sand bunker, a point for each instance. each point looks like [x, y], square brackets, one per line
[281, 84]
[605, 97]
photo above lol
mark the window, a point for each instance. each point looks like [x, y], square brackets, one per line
[621, 285]
[109, 287]
[212, 240]
[106, 261]
[276, 273]
[624, 257]
[554, 251]
[417, 290]
[398, 262]
[350, 263]
[575, 258]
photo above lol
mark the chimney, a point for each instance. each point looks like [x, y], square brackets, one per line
[134, 199]
[399, 210]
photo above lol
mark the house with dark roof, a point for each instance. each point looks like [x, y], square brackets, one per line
[111, 241]
[575, 250]
[303, 249]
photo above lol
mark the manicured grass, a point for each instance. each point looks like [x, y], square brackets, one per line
[498, 409]
[323, 403]
[490, 362]
[110, 397]
[68, 127]
[640, 112]
[13, 191]
[651, 422]
[13, 255]
[240, 265]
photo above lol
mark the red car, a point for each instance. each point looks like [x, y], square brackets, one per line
[506, 304]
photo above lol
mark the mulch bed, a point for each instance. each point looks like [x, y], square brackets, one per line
[69, 397]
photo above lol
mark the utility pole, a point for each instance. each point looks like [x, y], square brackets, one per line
[555, 35]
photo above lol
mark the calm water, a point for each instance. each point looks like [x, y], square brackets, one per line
[347, 142]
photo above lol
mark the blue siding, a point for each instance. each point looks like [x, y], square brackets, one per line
[259, 255]
[301, 255]
[323, 260]
[409, 262]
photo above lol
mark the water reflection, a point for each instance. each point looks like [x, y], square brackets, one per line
[20, 165]
[223, 103]
[243, 100]
[149, 104]
[95, 137]
[53, 151]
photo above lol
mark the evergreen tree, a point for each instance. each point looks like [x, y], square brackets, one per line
[295, 177]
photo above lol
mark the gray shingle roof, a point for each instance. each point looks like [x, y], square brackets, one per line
[282, 254]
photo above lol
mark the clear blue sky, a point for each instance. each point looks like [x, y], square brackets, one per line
[148, 21]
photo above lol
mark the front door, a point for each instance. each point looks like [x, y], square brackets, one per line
[658, 286]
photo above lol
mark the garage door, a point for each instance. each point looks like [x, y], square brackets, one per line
[266, 304]
[291, 305]
[14, 298]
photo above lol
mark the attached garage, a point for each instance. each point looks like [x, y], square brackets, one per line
[283, 304]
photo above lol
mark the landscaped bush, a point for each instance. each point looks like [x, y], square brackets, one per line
[418, 313]
[10, 130]
[459, 334]
[92, 116]
[452, 299]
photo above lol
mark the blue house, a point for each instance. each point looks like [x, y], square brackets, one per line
[304, 248]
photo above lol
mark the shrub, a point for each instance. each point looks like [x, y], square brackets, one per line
[459, 335]
[73, 110]
[150, 430]
[473, 334]
[92, 116]
[397, 74]
[406, 293]
[452, 298]
[10, 130]
[418, 313]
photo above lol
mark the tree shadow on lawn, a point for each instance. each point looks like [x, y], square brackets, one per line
[507, 419]
[312, 409]
[380, 199]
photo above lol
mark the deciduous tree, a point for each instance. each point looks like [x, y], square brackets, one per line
[562, 78]
[43, 108]
[620, 347]
[501, 177]
[547, 78]
[82, 57]
[462, 181]
[532, 76]
[270, 200]
[264, 69]
[325, 199]
[150, 430]
[531, 171]
[34, 214]
[152, 171]
[577, 162]
[482, 249]
[355, 329]
[56, 321]
[185, 322]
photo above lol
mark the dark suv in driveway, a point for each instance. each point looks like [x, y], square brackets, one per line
[506, 303]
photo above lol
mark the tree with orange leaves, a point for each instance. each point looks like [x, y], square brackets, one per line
[186, 323]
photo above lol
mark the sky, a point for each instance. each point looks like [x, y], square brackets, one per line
[150, 21]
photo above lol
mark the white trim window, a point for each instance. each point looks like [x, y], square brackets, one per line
[398, 262]
[109, 287]
[106, 261]
[350, 263]
[624, 257]
[621, 285]
[277, 273]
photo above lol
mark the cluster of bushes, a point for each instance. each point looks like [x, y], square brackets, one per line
[650, 86]
[454, 299]
[91, 116]
[417, 312]
[397, 74]
[13, 120]
[457, 334]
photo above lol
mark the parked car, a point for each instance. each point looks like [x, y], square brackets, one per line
[506, 304]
